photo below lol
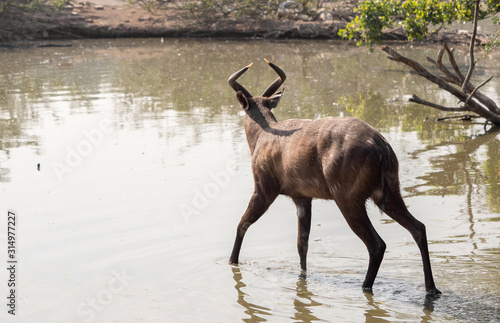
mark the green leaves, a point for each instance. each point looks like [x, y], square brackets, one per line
[417, 17]
[494, 41]
[373, 16]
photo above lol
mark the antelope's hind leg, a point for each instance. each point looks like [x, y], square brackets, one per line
[396, 209]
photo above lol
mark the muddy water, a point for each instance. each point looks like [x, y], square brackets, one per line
[144, 174]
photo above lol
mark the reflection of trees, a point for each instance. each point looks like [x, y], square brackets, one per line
[492, 172]
[461, 173]
[147, 80]
[185, 75]
[383, 113]
[11, 119]
[31, 82]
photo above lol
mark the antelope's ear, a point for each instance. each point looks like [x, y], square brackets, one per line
[275, 99]
[242, 100]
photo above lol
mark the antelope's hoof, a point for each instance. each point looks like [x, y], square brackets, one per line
[368, 290]
[433, 294]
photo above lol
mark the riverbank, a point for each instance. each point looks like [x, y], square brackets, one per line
[119, 18]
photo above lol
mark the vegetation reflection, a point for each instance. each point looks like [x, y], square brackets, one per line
[145, 80]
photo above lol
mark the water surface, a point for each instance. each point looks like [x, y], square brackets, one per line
[145, 172]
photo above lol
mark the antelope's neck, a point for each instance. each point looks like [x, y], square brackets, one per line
[257, 124]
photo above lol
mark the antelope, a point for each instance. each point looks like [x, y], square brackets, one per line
[335, 158]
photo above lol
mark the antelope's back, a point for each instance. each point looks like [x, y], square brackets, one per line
[329, 158]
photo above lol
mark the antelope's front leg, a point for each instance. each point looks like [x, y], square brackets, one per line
[304, 218]
[258, 204]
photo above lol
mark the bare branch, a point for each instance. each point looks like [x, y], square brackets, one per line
[475, 90]
[395, 56]
[416, 99]
[439, 58]
[471, 48]
[486, 111]
[449, 77]
[453, 63]
[487, 102]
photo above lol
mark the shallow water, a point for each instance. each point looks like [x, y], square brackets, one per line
[145, 173]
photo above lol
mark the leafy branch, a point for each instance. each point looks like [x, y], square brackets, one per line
[417, 18]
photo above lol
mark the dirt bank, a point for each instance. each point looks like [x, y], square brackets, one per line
[119, 18]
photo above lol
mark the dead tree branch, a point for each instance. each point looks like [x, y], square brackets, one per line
[475, 90]
[416, 99]
[454, 82]
[471, 48]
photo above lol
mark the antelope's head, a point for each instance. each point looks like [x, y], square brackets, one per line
[255, 104]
